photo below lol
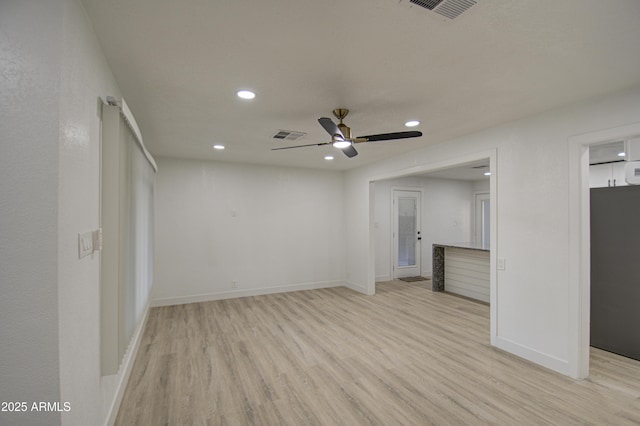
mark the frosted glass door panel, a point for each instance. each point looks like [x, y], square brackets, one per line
[407, 231]
[483, 220]
[486, 224]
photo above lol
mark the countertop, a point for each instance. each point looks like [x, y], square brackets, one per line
[471, 245]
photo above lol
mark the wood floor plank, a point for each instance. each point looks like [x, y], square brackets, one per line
[405, 356]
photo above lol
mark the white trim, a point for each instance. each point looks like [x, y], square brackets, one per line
[394, 226]
[360, 289]
[493, 253]
[579, 243]
[125, 369]
[383, 278]
[208, 297]
[392, 248]
[371, 262]
[133, 125]
[549, 361]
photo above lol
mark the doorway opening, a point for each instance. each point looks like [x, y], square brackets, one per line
[448, 191]
[580, 240]
[614, 204]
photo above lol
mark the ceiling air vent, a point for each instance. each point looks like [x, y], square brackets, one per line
[448, 8]
[427, 4]
[288, 135]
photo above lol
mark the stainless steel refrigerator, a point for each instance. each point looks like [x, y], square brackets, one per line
[615, 270]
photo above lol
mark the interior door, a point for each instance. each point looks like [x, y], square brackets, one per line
[483, 215]
[406, 233]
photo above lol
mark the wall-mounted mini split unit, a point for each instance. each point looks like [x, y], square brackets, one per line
[632, 172]
[448, 8]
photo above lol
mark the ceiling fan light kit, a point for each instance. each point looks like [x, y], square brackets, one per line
[341, 143]
[341, 135]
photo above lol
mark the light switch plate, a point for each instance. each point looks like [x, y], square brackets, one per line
[85, 244]
[97, 239]
[501, 264]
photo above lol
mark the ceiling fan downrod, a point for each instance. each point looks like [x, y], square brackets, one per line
[340, 114]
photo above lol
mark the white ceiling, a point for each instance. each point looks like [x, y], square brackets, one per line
[179, 64]
[473, 171]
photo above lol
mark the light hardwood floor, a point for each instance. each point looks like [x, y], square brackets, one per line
[405, 356]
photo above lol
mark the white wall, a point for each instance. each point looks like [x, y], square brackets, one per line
[447, 216]
[29, 97]
[480, 186]
[531, 205]
[267, 228]
[85, 77]
[53, 74]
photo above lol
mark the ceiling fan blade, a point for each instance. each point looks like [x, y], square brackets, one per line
[389, 136]
[301, 146]
[331, 128]
[350, 151]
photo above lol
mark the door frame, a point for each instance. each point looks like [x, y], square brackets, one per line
[394, 251]
[579, 308]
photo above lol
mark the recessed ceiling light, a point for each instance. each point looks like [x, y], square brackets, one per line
[621, 154]
[412, 123]
[218, 147]
[246, 94]
[487, 173]
[328, 157]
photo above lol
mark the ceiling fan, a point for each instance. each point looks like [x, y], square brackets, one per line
[341, 135]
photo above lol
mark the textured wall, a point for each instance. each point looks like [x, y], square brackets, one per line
[29, 97]
[267, 228]
[85, 76]
[53, 73]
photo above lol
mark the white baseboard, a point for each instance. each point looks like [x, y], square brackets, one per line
[357, 287]
[208, 297]
[122, 377]
[549, 361]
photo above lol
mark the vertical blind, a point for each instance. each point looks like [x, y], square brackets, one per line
[127, 188]
[139, 238]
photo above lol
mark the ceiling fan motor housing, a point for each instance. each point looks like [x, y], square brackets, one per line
[340, 114]
[346, 131]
